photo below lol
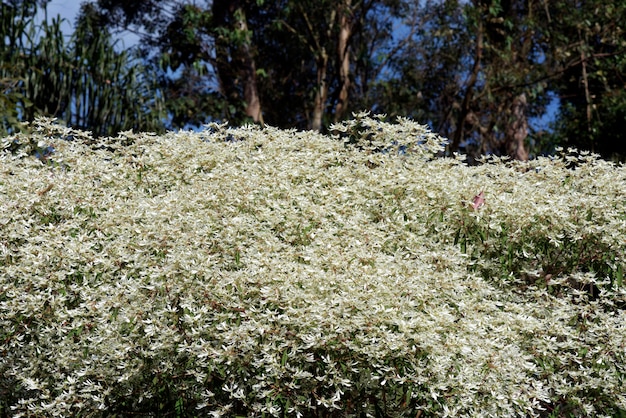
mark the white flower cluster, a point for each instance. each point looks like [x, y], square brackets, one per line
[255, 271]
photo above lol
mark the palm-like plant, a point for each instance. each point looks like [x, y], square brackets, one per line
[84, 81]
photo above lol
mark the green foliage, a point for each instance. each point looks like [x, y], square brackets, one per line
[463, 64]
[84, 81]
[216, 47]
[463, 67]
[588, 44]
[477, 72]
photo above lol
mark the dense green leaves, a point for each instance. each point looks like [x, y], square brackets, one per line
[307, 64]
[480, 72]
[589, 42]
[84, 81]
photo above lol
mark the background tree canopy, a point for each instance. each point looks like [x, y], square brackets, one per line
[84, 81]
[479, 72]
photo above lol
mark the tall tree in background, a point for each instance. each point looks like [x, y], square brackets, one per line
[16, 23]
[234, 56]
[423, 79]
[588, 43]
[322, 57]
[296, 58]
[478, 71]
[506, 76]
[471, 70]
[84, 82]
[322, 30]
[197, 55]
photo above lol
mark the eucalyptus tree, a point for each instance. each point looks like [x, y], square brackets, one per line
[234, 54]
[588, 46]
[196, 48]
[506, 82]
[290, 63]
[471, 70]
[479, 71]
[321, 59]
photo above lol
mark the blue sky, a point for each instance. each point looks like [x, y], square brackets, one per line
[67, 9]
[64, 7]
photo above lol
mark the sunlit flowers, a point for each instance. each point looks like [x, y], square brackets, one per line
[262, 272]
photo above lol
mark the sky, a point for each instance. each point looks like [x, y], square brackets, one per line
[68, 10]
[64, 7]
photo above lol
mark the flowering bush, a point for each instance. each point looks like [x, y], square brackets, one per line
[262, 272]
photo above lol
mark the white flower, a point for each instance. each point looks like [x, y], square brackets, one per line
[286, 262]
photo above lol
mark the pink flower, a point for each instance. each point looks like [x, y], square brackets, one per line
[478, 201]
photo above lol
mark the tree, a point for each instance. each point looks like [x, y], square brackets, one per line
[469, 69]
[288, 54]
[197, 54]
[322, 57]
[84, 82]
[234, 57]
[318, 29]
[588, 43]
[16, 17]
[478, 71]
[508, 49]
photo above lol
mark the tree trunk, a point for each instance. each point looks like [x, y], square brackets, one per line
[517, 131]
[225, 72]
[250, 91]
[464, 111]
[585, 80]
[343, 59]
[322, 92]
[235, 63]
